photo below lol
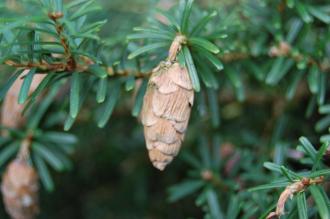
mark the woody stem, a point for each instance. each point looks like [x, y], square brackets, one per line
[176, 47]
[24, 151]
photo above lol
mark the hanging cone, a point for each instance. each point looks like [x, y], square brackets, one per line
[20, 190]
[166, 111]
[11, 113]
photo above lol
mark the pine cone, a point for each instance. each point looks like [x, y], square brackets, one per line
[166, 111]
[20, 190]
[11, 115]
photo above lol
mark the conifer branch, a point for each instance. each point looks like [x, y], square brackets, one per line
[70, 64]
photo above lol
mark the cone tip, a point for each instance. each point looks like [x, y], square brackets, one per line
[159, 165]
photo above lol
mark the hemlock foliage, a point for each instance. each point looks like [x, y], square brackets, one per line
[260, 120]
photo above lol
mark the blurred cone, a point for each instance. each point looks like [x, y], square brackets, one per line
[166, 111]
[11, 113]
[20, 190]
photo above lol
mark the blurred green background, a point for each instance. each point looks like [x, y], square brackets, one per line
[112, 176]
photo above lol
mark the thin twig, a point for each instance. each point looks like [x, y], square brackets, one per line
[70, 60]
[291, 190]
[282, 50]
[24, 152]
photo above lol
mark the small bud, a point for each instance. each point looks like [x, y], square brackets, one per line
[207, 175]
[305, 181]
[55, 15]
[283, 49]
[226, 149]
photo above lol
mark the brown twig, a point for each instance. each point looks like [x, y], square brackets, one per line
[43, 66]
[291, 190]
[70, 60]
[24, 152]
[124, 73]
[283, 49]
[208, 176]
[176, 45]
[234, 56]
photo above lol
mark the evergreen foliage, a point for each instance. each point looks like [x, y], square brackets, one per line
[260, 120]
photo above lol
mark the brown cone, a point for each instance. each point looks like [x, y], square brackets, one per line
[20, 190]
[11, 114]
[166, 111]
